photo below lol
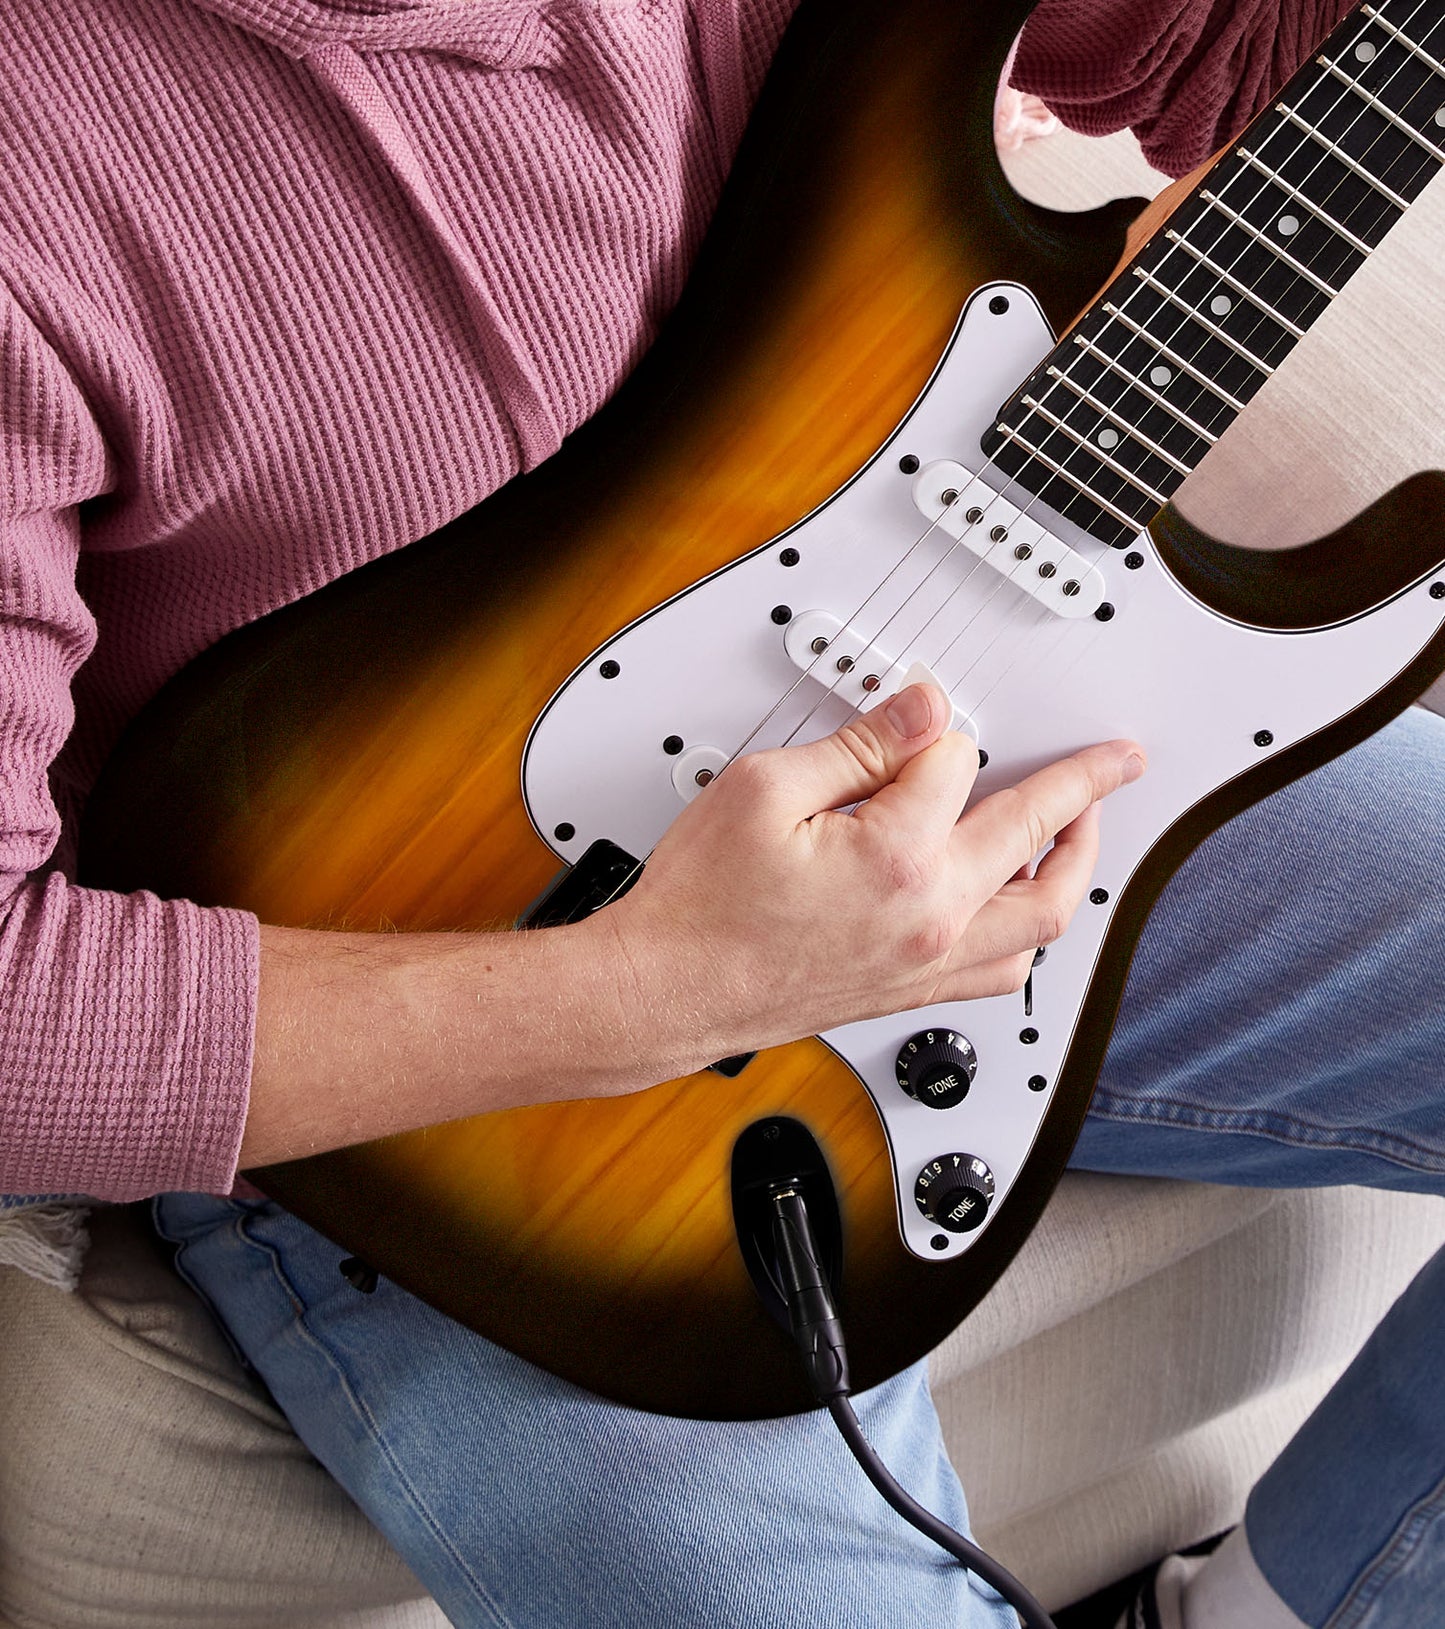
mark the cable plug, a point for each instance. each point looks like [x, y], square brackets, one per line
[812, 1317]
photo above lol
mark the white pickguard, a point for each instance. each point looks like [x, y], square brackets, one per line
[1194, 687]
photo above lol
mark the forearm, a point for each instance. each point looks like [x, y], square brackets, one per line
[814, 918]
[362, 1035]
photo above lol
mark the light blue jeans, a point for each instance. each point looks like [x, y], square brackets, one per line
[1284, 1025]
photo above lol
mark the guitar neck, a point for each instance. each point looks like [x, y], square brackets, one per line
[1153, 374]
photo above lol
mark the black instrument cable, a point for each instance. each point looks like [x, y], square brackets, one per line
[813, 1321]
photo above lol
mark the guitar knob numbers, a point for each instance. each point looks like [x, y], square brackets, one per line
[955, 1191]
[936, 1067]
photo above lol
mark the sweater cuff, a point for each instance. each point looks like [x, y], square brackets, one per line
[125, 1044]
[203, 1117]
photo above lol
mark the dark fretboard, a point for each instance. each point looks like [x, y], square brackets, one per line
[1129, 403]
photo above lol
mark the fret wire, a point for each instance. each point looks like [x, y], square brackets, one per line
[1215, 202]
[1385, 113]
[1378, 186]
[1179, 362]
[1299, 197]
[1062, 378]
[1405, 40]
[1063, 474]
[1242, 288]
[1203, 321]
[1093, 451]
[1147, 390]
[1344, 157]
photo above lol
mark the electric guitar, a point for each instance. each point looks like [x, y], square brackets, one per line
[824, 477]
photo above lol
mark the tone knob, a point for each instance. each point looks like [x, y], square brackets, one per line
[955, 1190]
[937, 1067]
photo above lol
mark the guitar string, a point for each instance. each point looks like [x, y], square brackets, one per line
[996, 496]
[1257, 320]
[811, 670]
[1011, 623]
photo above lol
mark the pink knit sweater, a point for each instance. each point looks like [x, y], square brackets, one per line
[286, 284]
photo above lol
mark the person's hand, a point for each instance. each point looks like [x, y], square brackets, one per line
[766, 914]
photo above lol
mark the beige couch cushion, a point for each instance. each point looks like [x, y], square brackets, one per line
[146, 1481]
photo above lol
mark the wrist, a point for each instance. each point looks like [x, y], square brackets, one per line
[652, 1000]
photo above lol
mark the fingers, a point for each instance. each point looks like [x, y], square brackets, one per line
[1001, 834]
[929, 792]
[1005, 976]
[1031, 911]
[866, 755]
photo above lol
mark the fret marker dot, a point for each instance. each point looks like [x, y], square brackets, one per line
[1221, 305]
[1287, 225]
[1160, 376]
[1365, 52]
[1440, 115]
[1107, 437]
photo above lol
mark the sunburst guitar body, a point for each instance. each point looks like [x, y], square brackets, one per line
[802, 495]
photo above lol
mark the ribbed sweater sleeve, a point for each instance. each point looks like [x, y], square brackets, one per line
[125, 1020]
[1185, 75]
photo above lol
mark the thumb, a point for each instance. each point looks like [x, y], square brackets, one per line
[865, 755]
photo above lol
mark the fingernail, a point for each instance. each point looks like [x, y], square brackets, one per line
[909, 712]
[1133, 768]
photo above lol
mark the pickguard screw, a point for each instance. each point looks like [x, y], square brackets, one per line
[610, 669]
[1037, 1083]
[1047, 568]
[998, 533]
[565, 832]
[908, 464]
[1105, 613]
[982, 759]
[998, 304]
[1133, 560]
[703, 776]
[1022, 552]
[1098, 896]
[672, 746]
[1028, 1036]
[939, 1241]
[789, 557]
[1437, 591]
[781, 614]
[1264, 738]
[818, 646]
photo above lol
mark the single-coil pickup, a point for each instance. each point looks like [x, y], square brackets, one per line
[859, 673]
[1007, 539]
